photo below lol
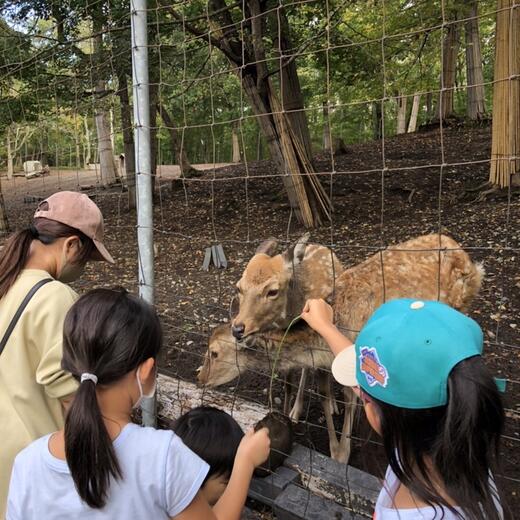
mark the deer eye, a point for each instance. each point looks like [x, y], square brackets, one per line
[273, 293]
[214, 354]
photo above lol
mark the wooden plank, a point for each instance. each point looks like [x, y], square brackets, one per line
[207, 259]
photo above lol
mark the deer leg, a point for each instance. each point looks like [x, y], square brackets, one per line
[288, 391]
[297, 408]
[344, 445]
[333, 401]
[324, 389]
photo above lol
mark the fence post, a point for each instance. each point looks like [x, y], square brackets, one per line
[144, 204]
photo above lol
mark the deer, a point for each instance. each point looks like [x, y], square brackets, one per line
[320, 269]
[226, 359]
[271, 295]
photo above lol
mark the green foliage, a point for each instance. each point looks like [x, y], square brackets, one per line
[371, 50]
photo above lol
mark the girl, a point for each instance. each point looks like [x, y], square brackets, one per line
[66, 233]
[101, 466]
[426, 391]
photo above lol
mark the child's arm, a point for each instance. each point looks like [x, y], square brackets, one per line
[253, 451]
[319, 315]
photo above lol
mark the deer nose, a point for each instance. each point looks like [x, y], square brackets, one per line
[238, 330]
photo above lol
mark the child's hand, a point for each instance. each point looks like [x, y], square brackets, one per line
[254, 447]
[318, 314]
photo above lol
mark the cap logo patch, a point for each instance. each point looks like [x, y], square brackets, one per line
[375, 372]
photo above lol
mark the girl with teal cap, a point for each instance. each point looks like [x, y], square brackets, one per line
[418, 370]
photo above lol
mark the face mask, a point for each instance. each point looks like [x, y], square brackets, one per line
[70, 271]
[142, 395]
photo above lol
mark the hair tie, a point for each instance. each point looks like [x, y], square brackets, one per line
[89, 377]
[34, 232]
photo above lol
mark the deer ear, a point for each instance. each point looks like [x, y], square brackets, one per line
[294, 255]
[267, 247]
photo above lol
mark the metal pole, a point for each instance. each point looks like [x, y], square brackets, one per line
[143, 163]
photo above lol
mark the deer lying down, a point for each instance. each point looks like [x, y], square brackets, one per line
[430, 267]
[227, 358]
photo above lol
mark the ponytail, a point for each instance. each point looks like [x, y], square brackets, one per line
[88, 448]
[14, 256]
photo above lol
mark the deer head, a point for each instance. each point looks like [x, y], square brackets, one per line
[222, 361]
[269, 292]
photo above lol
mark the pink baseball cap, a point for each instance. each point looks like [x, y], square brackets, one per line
[78, 211]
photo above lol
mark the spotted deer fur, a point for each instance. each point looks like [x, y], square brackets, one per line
[429, 267]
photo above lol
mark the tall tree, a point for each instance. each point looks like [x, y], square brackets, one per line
[401, 114]
[107, 164]
[243, 44]
[177, 144]
[450, 49]
[128, 137]
[476, 108]
[412, 124]
[505, 145]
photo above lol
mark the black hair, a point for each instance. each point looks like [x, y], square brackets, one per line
[213, 435]
[460, 441]
[108, 333]
[16, 250]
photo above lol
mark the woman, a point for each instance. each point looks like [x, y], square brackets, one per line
[67, 232]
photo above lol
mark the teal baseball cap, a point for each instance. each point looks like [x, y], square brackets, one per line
[404, 354]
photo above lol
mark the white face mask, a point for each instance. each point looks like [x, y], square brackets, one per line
[69, 271]
[142, 395]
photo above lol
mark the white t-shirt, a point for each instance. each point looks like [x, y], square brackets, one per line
[161, 477]
[386, 511]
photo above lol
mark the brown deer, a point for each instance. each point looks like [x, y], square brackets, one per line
[227, 358]
[430, 267]
[319, 269]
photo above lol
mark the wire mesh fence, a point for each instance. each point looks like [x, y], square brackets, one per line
[370, 123]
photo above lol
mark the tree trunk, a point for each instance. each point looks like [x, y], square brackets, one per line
[88, 151]
[10, 155]
[291, 92]
[505, 143]
[4, 222]
[259, 145]
[107, 165]
[326, 127]
[377, 121]
[476, 109]
[286, 133]
[401, 114]
[128, 137]
[450, 50]
[284, 150]
[429, 106]
[177, 146]
[412, 125]
[235, 142]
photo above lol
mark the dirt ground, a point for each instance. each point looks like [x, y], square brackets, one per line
[412, 190]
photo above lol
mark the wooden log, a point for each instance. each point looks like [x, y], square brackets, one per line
[175, 397]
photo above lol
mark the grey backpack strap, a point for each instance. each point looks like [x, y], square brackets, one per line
[18, 313]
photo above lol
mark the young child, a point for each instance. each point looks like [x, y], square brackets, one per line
[214, 436]
[426, 391]
[102, 466]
